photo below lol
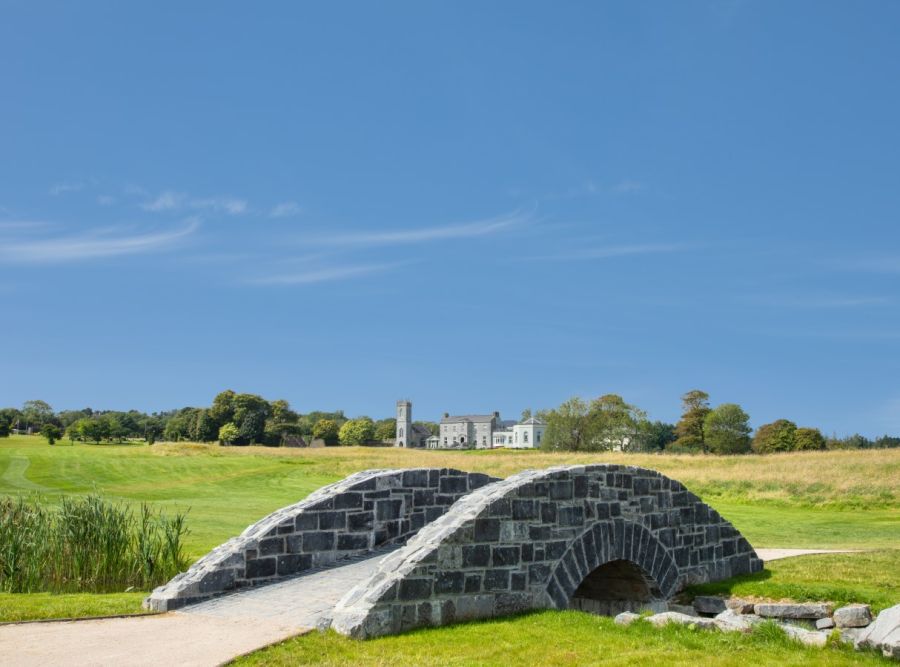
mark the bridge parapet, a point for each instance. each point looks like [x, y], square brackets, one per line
[365, 511]
[590, 537]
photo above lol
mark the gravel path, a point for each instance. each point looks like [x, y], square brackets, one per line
[204, 634]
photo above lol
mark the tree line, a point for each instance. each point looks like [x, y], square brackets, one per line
[232, 419]
[603, 424]
[609, 423]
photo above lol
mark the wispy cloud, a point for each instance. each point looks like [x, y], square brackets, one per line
[881, 264]
[610, 251]
[92, 245]
[62, 188]
[22, 225]
[170, 200]
[325, 274]
[628, 187]
[477, 228]
[285, 210]
[106, 200]
[820, 301]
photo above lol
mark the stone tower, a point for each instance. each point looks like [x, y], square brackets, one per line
[404, 423]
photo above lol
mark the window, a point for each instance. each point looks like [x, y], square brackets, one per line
[445, 440]
[401, 432]
[525, 437]
[539, 437]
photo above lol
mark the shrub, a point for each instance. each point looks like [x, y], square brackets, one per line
[808, 439]
[86, 545]
[775, 437]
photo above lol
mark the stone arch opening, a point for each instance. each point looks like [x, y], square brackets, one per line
[614, 587]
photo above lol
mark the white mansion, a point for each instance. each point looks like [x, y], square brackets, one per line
[468, 431]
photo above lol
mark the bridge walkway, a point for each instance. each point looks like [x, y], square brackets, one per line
[200, 635]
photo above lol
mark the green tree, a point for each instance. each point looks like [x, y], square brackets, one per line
[222, 409]
[615, 425]
[568, 427]
[385, 429]
[775, 437]
[689, 429]
[36, 413]
[91, 430]
[726, 430]
[357, 431]
[228, 433]
[203, 428]
[4, 427]
[658, 435]
[52, 432]
[326, 430]
[808, 439]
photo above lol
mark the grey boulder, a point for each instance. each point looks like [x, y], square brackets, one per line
[709, 604]
[812, 610]
[884, 633]
[853, 616]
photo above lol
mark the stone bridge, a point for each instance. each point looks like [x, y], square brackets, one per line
[601, 538]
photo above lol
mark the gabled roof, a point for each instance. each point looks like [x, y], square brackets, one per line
[532, 421]
[421, 430]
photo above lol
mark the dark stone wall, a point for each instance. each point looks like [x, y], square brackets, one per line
[356, 515]
[529, 541]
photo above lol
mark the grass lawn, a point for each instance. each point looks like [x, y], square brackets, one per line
[828, 500]
[556, 638]
[33, 606]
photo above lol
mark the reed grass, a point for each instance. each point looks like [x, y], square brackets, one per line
[86, 544]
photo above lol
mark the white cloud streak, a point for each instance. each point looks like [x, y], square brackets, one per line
[609, 252]
[92, 245]
[425, 234]
[326, 274]
[285, 210]
[169, 200]
[63, 188]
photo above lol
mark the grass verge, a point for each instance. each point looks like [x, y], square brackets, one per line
[869, 577]
[556, 638]
[38, 606]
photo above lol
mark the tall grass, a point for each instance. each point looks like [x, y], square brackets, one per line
[86, 544]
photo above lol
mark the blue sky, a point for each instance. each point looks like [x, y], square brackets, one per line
[475, 205]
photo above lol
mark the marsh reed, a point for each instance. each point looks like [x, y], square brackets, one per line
[86, 544]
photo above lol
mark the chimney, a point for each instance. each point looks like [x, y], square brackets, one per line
[446, 415]
[497, 416]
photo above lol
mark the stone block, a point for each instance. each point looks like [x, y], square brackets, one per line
[626, 618]
[810, 610]
[449, 583]
[709, 604]
[476, 555]
[414, 589]
[318, 541]
[853, 616]
[259, 568]
[353, 541]
[824, 624]
[486, 530]
[496, 580]
[505, 556]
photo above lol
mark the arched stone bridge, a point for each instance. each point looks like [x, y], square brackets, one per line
[602, 538]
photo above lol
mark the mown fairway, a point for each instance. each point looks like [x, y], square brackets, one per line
[826, 500]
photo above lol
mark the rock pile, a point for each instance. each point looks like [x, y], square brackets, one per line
[854, 622]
